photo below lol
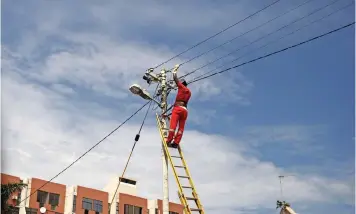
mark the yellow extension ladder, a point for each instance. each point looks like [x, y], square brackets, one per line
[189, 185]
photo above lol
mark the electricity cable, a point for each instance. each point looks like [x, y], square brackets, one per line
[149, 102]
[266, 36]
[199, 43]
[275, 52]
[137, 137]
[278, 39]
[225, 70]
[88, 150]
[316, 10]
[242, 35]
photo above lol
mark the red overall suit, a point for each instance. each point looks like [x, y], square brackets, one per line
[179, 114]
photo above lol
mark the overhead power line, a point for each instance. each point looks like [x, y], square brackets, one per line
[88, 150]
[198, 78]
[225, 70]
[273, 53]
[196, 57]
[199, 43]
[294, 21]
[276, 40]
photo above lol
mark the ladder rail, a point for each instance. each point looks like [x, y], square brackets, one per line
[186, 211]
[181, 195]
[195, 194]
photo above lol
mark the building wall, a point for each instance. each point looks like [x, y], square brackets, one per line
[71, 191]
[25, 196]
[152, 206]
[84, 192]
[6, 179]
[50, 188]
[67, 194]
[178, 208]
[126, 188]
[131, 200]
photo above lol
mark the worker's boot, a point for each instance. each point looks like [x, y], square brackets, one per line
[169, 144]
[174, 145]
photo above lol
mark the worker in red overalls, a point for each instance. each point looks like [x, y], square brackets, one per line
[179, 112]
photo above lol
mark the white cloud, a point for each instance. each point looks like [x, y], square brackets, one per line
[62, 89]
[108, 67]
[98, 58]
[296, 139]
[52, 136]
[59, 81]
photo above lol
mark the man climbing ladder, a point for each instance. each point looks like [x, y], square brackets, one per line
[179, 111]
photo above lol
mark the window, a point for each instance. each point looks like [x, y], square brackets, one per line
[53, 200]
[170, 212]
[13, 210]
[86, 211]
[42, 197]
[87, 204]
[130, 209]
[117, 208]
[156, 211]
[74, 203]
[98, 206]
[137, 210]
[31, 211]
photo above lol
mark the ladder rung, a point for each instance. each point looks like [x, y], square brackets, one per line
[190, 198]
[176, 156]
[164, 130]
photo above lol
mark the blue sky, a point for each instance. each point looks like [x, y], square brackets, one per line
[66, 68]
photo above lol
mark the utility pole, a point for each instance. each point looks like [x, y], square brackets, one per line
[281, 183]
[162, 123]
[161, 79]
[165, 205]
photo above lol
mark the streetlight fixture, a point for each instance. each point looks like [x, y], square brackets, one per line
[137, 90]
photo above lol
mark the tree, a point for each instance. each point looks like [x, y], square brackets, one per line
[282, 204]
[6, 191]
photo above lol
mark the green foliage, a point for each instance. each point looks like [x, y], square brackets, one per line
[6, 191]
[282, 204]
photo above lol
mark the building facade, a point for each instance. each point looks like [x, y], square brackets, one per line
[54, 198]
[16, 196]
[85, 200]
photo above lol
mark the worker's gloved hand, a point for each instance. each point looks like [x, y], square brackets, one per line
[175, 69]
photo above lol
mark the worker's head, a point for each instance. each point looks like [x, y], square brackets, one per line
[184, 82]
